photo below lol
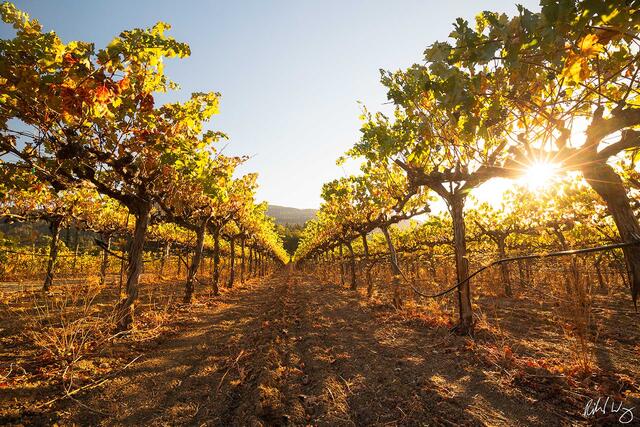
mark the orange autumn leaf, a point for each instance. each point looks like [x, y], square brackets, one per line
[124, 84]
[508, 353]
[147, 102]
[102, 94]
[69, 59]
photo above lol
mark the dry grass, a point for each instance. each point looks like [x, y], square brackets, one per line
[67, 326]
[58, 343]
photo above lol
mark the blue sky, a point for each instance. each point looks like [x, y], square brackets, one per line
[291, 73]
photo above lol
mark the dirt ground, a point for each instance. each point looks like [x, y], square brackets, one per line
[291, 350]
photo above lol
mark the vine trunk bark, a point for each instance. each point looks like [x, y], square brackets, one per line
[216, 261]
[195, 263]
[365, 246]
[606, 182]
[54, 227]
[136, 250]
[232, 262]
[395, 270]
[352, 266]
[456, 208]
[104, 265]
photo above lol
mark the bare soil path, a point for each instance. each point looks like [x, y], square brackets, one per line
[293, 351]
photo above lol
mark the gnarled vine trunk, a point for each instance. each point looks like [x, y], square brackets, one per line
[365, 246]
[606, 182]
[232, 262]
[104, 265]
[504, 268]
[256, 273]
[165, 257]
[261, 263]
[341, 264]
[352, 266]
[602, 284]
[54, 227]
[136, 250]
[76, 249]
[456, 208]
[242, 260]
[395, 269]
[195, 263]
[216, 261]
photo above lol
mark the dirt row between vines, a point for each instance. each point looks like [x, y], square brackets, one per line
[293, 350]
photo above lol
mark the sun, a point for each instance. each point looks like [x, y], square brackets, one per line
[539, 174]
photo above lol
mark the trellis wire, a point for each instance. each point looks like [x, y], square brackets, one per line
[516, 258]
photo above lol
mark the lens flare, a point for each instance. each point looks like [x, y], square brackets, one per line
[539, 175]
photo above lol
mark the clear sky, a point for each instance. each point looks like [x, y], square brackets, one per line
[291, 73]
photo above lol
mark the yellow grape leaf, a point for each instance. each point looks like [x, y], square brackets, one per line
[589, 46]
[576, 69]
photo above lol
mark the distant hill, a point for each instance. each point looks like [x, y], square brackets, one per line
[293, 216]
